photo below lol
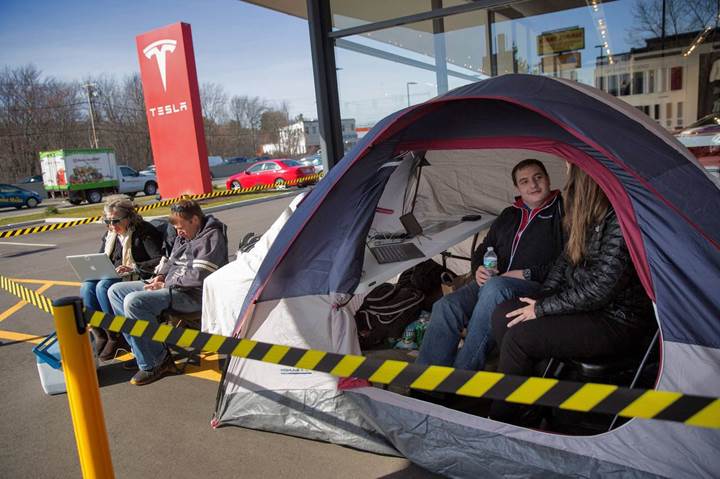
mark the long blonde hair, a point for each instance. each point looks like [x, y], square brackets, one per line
[586, 204]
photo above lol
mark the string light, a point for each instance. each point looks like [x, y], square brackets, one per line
[700, 38]
[602, 29]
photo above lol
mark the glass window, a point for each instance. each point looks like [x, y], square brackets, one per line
[290, 163]
[679, 113]
[663, 80]
[651, 81]
[638, 83]
[613, 85]
[256, 168]
[624, 84]
[614, 46]
[384, 71]
[676, 78]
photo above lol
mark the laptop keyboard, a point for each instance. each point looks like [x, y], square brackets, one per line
[394, 253]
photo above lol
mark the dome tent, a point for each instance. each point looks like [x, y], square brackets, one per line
[668, 209]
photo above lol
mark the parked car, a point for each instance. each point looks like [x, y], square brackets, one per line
[314, 160]
[702, 138]
[237, 159]
[240, 161]
[149, 170]
[31, 179]
[272, 172]
[18, 197]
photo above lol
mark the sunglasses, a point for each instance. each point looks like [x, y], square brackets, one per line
[113, 221]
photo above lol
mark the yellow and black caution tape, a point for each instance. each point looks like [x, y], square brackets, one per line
[26, 294]
[215, 194]
[692, 410]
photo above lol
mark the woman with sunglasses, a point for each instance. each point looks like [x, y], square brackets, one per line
[134, 247]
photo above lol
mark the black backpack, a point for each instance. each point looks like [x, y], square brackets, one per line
[426, 277]
[385, 313]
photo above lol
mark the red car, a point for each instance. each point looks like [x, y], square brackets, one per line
[271, 172]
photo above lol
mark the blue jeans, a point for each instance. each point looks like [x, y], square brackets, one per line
[129, 299]
[470, 306]
[94, 294]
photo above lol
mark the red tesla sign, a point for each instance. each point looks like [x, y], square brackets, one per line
[172, 103]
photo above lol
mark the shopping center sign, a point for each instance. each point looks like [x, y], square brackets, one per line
[172, 104]
[559, 41]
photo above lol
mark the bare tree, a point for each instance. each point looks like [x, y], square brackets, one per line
[681, 16]
[35, 114]
[214, 101]
[39, 113]
[247, 113]
[271, 122]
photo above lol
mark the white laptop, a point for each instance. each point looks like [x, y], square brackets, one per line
[95, 266]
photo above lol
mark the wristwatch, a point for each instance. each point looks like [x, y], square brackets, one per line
[527, 275]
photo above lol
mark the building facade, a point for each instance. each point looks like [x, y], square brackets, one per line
[668, 82]
[303, 137]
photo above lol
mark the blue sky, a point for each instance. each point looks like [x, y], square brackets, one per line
[254, 51]
[247, 49]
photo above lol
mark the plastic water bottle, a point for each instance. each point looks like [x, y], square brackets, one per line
[490, 261]
[408, 338]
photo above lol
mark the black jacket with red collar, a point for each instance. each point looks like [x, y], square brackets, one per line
[526, 239]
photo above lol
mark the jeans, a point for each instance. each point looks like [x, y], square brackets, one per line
[129, 299]
[470, 306]
[94, 294]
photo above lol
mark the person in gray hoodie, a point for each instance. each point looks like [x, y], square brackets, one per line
[200, 249]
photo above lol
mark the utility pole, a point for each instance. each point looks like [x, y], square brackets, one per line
[407, 87]
[90, 92]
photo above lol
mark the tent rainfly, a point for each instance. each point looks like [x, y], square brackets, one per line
[298, 286]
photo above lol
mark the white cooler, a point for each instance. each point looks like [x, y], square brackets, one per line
[49, 364]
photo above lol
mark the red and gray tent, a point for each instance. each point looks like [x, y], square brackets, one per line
[669, 209]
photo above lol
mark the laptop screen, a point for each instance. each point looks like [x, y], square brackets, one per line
[411, 225]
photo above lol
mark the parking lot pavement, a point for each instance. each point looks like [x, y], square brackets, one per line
[160, 430]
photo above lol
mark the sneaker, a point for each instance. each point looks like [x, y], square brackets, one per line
[146, 377]
[115, 343]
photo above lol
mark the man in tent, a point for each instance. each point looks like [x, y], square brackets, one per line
[527, 237]
[199, 249]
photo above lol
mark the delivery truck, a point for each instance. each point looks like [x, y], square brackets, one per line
[88, 175]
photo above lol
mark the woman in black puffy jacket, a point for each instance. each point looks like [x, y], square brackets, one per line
[591, 304]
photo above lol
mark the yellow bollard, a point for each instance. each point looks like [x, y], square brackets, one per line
[82, 389]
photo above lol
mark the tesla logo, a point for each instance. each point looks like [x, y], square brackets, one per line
[158, 50]
[168, 109]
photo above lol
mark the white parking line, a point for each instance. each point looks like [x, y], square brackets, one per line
[28, 244]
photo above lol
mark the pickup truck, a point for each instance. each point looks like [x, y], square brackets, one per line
[87, 175]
